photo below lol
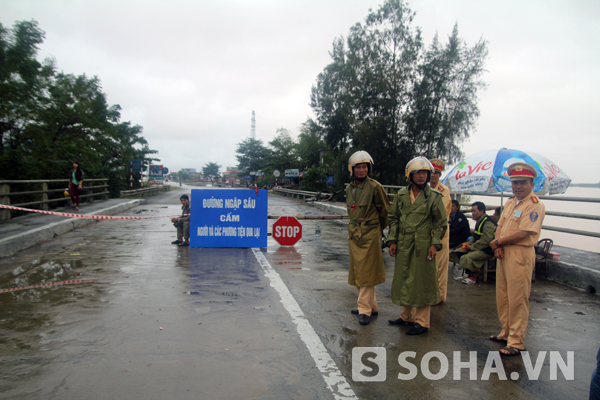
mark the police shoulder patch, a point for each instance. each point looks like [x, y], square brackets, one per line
[533, 216]
[535, 199]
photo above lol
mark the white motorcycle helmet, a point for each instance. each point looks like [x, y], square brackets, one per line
[360, 157]
[419, 164]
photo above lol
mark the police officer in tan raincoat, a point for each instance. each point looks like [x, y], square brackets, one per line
[443, 256]
[518, 231]
[418, 222]
[368, 207]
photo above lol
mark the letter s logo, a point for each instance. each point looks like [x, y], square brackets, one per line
[369, 364]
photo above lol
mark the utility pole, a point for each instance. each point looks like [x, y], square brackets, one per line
[253, 129]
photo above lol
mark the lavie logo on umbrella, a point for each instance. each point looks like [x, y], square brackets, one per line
[481, 166]
[551, 171]
[486, 171]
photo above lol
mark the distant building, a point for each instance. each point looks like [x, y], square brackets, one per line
[231, 177]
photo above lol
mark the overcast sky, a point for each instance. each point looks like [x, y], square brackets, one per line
[191, 71]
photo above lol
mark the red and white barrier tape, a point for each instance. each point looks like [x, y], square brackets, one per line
[47, 284]
[89, 216]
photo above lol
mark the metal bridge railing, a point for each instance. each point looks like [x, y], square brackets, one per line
[40, 197]
[458, 196]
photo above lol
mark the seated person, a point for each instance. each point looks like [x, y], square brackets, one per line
[183, 223]
[478, 249]
[497, 214]
[459, 226]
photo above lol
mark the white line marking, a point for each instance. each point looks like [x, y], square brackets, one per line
[335, 381]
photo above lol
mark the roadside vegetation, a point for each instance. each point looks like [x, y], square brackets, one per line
[385, 92]
[48, 119]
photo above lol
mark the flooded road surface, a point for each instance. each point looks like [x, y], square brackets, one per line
[160, 321]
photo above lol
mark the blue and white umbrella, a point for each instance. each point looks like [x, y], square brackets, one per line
[486, 172]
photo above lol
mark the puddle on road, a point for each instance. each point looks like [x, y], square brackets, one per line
[222, 276]
[36, 273]
[27, 317]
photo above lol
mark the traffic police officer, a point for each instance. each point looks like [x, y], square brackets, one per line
[443, 256]
[368, 207]
[517, 233]
[418, 222]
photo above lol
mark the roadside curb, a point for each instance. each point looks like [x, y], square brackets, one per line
[572, 275]
[15, 243]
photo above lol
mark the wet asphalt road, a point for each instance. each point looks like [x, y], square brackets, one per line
[226, 334]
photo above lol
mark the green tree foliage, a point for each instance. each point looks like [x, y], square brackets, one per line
[22, 82]
[283, 153]
[385, 94]
[444, 107]
[251, 154]
[183, 175]
[49, 119]
[331, 100]
[211, 171]
[314, 180]
[310, 144]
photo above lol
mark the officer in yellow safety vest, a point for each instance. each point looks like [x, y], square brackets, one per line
[477, 249]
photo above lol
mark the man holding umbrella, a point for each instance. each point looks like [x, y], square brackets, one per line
[518, 232]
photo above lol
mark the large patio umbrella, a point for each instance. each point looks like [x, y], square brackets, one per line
[485, 172]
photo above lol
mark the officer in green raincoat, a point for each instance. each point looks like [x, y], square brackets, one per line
[418, 222]
[368, 207]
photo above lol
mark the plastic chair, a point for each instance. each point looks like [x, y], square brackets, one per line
[542, 254]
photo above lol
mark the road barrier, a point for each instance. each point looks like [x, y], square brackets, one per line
[41, 196]
[88, 216]
[42, 285]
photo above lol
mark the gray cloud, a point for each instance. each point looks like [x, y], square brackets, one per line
[191, 72]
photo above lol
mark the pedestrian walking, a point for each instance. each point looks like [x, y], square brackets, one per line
[75, 184]
[368, 207]
[517, 233]
[418, 223]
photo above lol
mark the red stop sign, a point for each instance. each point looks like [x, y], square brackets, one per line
[287, 231]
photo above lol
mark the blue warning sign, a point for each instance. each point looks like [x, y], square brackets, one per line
[228, 218]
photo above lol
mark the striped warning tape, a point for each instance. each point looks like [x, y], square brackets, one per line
[70, 282]
[89, 216]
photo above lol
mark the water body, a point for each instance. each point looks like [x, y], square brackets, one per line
[565, 239]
